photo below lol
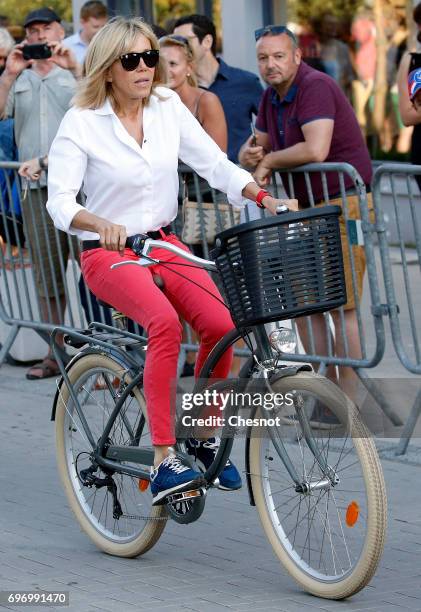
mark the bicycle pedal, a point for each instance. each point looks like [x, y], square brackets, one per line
[185, 496]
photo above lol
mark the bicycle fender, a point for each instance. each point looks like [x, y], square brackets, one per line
[247, 464]
[89, 350]
[278, 374]
[289, 371]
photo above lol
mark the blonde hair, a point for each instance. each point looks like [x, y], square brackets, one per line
[173, 40]
[116, 38]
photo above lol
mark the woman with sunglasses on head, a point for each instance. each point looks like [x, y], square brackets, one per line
[122, 139]
[204, 105]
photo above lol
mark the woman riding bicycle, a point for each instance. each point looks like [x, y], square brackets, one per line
[122, 140]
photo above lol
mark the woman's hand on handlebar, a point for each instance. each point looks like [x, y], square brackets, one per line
[272, 204]
[112, 237]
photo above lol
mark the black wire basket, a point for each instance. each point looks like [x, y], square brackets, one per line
[282, 267]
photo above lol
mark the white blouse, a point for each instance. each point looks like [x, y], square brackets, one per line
[127, 184]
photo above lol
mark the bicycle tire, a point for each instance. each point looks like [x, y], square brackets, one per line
[364, 556]
[111, 540]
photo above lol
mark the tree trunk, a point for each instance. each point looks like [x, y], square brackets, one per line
[410, 24]
[380, 84]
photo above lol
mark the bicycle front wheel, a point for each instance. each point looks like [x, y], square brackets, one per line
[329, 538]
[98, 382]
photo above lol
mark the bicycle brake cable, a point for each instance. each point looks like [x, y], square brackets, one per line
[176, 263]
[244, 335]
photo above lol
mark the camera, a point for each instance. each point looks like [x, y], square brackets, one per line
[37, 52]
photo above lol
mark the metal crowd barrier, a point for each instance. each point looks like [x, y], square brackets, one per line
[359, 233]
[38, 297]
[377, 302]
[397, 202]
[202, 213]
[22, 282]
[40, 280]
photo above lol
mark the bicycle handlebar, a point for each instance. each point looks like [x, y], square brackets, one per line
[142, 244]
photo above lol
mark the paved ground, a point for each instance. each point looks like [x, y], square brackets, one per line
[222, 562]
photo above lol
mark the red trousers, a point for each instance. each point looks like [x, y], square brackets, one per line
[131, 290]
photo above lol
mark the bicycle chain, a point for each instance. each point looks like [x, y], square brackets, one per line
[145, 518]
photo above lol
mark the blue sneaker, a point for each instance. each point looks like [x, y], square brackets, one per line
[173, 476]
[204, 452]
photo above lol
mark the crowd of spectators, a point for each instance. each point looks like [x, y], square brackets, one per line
[320, 83]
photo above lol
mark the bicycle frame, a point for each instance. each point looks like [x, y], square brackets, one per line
[108, 456]
[264, 360]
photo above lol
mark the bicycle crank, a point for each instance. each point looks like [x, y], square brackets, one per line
[187, 506]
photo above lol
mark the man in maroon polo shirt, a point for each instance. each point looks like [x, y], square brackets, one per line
[304, 117]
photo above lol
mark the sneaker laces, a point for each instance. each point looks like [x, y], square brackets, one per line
[214, 446]
[175, 464]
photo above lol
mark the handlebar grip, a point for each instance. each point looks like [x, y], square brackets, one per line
[136, 243]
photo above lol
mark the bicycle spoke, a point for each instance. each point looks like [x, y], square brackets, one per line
[98, 407]
[342, 531]
[312, 523]
[348, 466]
[298, 522]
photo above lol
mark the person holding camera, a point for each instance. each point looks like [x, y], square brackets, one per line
[36, 87]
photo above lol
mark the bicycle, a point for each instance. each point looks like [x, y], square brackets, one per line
[320, 497]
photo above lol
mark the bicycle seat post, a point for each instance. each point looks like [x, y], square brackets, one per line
[119, 319]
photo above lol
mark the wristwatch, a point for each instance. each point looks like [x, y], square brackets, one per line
[42, 163]
[281, 208]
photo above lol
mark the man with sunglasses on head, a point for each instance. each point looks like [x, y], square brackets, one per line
[37, 94]
[238, 90]
[304, 117]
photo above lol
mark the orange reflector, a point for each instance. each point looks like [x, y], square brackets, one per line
[194, 493]
[101, 383]
[352, 514]
[143, 484]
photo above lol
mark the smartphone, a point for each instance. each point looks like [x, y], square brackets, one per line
[39, 51]
[253, 134]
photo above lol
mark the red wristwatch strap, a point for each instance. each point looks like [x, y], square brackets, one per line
[262, 194]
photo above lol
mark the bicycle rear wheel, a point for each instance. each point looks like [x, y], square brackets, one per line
[329, 538]
[98, 381]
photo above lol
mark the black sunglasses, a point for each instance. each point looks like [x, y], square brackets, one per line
[130, 61]
[274, 29]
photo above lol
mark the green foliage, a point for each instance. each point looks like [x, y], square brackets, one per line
[166, 10]
[172, 9]
[305, 11]
[16, 10]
